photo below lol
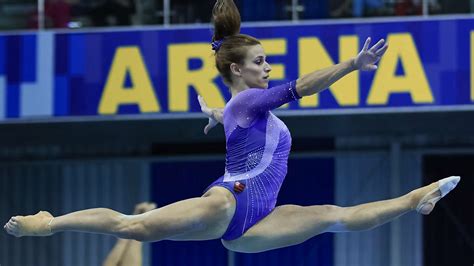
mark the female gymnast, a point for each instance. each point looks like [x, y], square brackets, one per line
[239, 207]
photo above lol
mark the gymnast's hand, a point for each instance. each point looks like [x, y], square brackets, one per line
[215, 115]
[367, 58]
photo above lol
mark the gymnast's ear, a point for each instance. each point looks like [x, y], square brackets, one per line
[235, 69]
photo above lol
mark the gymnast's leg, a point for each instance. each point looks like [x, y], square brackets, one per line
[289, 225]
[204, 218]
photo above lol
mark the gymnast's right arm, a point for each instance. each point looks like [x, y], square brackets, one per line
[319, 80]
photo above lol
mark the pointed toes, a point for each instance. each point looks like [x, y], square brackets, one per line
[456, 179]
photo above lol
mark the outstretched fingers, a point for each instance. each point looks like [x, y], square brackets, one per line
[382, 50]
[377, 46]
[367, 59]
[367, 43]
[201, 101]
[206, 110]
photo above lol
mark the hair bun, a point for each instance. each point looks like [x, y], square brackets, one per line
[226, 19]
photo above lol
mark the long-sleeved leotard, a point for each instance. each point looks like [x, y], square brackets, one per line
[258, 145]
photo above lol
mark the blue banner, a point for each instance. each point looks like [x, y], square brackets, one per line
[161, 71]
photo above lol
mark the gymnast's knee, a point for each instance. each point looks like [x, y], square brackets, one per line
[352, 219]
[132, 228]
[332, 217]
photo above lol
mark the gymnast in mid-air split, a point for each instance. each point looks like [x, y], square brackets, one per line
[239, 207]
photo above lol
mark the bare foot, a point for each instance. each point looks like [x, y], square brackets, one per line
[31, 225]
[425, 198]
[144, 207]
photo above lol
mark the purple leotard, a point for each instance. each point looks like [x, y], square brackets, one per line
[258, 145]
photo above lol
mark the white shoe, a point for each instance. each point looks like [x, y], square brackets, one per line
[444, 186]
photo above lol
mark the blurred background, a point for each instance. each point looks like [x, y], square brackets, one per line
[28, 14]
[98, 109]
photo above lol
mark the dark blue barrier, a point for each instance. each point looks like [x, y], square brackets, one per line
[309, 182]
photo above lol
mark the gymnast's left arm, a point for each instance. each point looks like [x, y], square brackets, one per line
[319, 80]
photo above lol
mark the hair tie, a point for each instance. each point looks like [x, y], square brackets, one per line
[216, 45]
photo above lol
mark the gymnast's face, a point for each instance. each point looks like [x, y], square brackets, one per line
[255, 70]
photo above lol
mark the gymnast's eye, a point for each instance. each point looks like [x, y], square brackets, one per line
[259, 60]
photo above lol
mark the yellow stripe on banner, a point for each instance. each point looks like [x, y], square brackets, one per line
[181, 77]
[313, 56]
